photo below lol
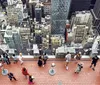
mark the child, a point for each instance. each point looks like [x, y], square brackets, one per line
[31, 78]
[24, 72]
[79, 67]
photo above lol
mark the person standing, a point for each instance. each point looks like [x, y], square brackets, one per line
[40, 63]
[11, 76]
[94, 62]
[68, 58]
[6, 59]
[45, 57]
[15, 58]
[20, 58]
[24, 72]
[77, 57]
[1, 59]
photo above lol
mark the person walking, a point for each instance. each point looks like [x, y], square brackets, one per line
[15, 58]
[40, 63]
[31, 78]
[45, 58]
[11, 76]
[20, 58]
[24, 72]
[79, 67]
[94, 62]
[68, 58]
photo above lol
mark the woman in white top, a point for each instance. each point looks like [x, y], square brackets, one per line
[68, 58]
[20, 58]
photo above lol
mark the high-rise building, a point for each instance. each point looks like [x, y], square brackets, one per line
[80, 5]
[96, 16]
[10, 2]
[12, 38]
[38, 14]
[60, 11]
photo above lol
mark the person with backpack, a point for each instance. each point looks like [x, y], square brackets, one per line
[40, 63]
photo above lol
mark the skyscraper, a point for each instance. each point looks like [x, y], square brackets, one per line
[96, 16]
[80, 5]
[60, 10]
[38, 14]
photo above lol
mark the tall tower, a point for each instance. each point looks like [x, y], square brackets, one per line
[96, 16]
[60, 10]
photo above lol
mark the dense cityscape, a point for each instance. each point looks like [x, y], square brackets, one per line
[53, 32]
[29, 26]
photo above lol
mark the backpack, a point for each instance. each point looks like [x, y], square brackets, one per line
[45, 57]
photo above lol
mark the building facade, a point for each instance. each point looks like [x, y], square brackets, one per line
[59, 14]
[80, 5]
[96, 16]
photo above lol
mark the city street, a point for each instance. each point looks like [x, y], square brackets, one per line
[62, 77]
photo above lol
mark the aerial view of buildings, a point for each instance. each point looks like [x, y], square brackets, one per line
[52, 27]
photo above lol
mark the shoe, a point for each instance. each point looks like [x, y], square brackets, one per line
[21, 63]
[93, 69]
[90, 66]
[66, 68]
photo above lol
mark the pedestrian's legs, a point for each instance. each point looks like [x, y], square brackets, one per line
[21, 61]
[26, 76]
[8, 61]
[10, 79]
[94, 66]
[14, 78]
[67, 65]
[91, 65]
[45, 62]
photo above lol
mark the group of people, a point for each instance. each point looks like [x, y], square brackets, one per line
[77, 58]
[4, 58]
[25, 73]
[42, 60]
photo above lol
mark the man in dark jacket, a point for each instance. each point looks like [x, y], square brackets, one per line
[11, 76]
[94, 62]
